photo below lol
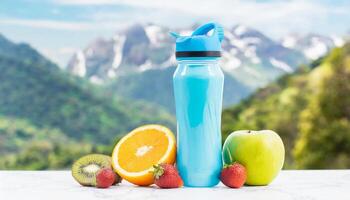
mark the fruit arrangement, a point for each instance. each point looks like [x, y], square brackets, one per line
[147, 155]
[260, 152]
[95, 170]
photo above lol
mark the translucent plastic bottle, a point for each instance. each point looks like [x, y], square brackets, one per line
[198, 88]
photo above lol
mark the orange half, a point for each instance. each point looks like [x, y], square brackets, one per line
[135, 154]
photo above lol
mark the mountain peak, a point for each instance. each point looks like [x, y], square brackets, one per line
[5, 42]
[2, 37]
[79, 62]
[23, 51]
[240, 29]
[312, 45]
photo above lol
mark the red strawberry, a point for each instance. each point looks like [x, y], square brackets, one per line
[105, 177]
[233, 175]
[167, 176]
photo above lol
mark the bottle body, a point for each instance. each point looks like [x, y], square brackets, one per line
[198, 89]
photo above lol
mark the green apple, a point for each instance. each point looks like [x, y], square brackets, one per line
[261, 152]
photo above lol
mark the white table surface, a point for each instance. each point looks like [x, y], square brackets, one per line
[52, 185]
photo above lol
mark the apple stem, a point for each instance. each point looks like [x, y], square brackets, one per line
[248, 131]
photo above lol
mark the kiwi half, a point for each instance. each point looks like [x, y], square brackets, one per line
[85, 168]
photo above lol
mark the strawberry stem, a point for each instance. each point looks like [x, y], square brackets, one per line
[227, 165]
[158, 171]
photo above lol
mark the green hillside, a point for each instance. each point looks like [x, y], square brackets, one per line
[310, 110]
[44, 109]
[44, 95]
[25, 146]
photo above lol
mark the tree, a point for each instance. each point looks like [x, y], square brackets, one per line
[324, 140]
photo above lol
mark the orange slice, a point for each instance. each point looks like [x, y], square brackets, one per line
[135, 154]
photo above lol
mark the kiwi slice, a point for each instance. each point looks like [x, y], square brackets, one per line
[85, 168]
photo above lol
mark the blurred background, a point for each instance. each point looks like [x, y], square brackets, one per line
[76, 75]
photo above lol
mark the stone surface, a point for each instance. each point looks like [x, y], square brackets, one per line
[300, 185]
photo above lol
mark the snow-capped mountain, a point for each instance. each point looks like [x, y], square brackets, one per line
[135, 49]
[313, 46]
[254, 59]
[248, 55]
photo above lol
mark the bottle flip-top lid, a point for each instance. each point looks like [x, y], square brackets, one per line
[201, 43]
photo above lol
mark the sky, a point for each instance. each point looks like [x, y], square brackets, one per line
[58, 28]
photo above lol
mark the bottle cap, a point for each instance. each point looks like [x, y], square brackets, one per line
[201, 43]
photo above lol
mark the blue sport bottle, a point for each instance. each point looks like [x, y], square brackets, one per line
[198, 88]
